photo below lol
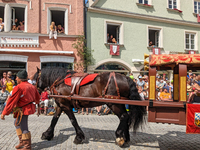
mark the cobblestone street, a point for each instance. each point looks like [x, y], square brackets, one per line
[100, 134]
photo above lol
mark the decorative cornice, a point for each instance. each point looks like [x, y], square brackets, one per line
[37, 51]
[11, 57]
[141, 16]
[93, 3]
[18, 45]
[65, 59]
[38, 34]
[70, 6]
[30, 3]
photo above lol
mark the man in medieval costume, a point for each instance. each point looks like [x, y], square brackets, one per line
[21, 103]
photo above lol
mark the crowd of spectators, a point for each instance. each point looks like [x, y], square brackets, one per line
[17, 25]
[164, 87]
[192, 80]
[7, 84]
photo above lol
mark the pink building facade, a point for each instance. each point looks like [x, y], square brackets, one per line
[31, 47]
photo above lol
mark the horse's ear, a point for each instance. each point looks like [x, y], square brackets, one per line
[38, 70]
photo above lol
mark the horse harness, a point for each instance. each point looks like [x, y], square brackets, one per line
[112, 74]
[75, 87]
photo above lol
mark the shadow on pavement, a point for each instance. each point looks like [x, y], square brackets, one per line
[170, 141]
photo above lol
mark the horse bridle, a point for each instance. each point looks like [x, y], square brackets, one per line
[37, 80]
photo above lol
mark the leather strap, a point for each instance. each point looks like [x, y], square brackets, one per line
[79, 82]
[112, 74]
[57, 82]
[74, 81]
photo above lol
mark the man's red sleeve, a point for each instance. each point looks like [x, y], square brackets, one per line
[12, 101]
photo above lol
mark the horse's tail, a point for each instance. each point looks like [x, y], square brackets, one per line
[137, 113]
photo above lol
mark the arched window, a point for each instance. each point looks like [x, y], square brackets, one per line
[108, 67]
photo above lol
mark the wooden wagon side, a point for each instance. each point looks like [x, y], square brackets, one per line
[175, 111]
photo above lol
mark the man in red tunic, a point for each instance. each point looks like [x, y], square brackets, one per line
[23, 96]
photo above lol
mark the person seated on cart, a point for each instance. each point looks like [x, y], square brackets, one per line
[165, 95]
[194, 96]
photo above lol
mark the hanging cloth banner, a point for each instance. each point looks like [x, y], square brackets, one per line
[156, 51]
[114, 50]
[198, 18]
[193, 118]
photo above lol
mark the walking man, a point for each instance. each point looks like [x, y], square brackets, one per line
[21, 101]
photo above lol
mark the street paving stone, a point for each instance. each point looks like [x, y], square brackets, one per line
[100, 135]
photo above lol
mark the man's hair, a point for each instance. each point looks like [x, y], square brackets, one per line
[9, 72]
[23, 80]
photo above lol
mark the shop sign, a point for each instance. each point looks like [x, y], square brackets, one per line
[28, 40]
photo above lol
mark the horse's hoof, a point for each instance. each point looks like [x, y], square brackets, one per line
[77, 141]
[46, 138]
[120, 141]
[126, 144]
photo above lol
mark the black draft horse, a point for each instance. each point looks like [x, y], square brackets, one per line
[127, 88]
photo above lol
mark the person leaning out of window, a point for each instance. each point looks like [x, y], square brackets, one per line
[1, 25]
[53, 31]
[112, 39]
[21, 25]
[60, 29]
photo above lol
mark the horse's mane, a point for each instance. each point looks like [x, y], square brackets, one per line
[49, 75]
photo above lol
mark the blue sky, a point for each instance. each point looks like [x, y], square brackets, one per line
[86, 1]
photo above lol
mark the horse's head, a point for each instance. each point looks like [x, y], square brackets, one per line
[47, 76]
[37, 80]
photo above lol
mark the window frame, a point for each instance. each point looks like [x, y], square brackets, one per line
[198, 1]
[160, 36]
[177, 5]
[149, 2]
[121, 30]
[49, 9]
[3, 5]
[195, 42]
[8, 17]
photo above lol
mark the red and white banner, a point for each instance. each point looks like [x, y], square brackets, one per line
[192, 52]
[198, 18]
[114, 49]
[156, 51]
[193, 118]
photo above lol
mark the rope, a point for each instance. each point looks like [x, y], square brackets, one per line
[19, 114]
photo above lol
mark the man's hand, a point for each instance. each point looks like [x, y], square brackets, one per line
[2, 117]
[196, 86]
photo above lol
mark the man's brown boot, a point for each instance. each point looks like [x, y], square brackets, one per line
[19, 134]
[26, 138]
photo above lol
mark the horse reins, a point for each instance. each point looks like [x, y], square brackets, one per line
[57, 82]
[37, 80]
